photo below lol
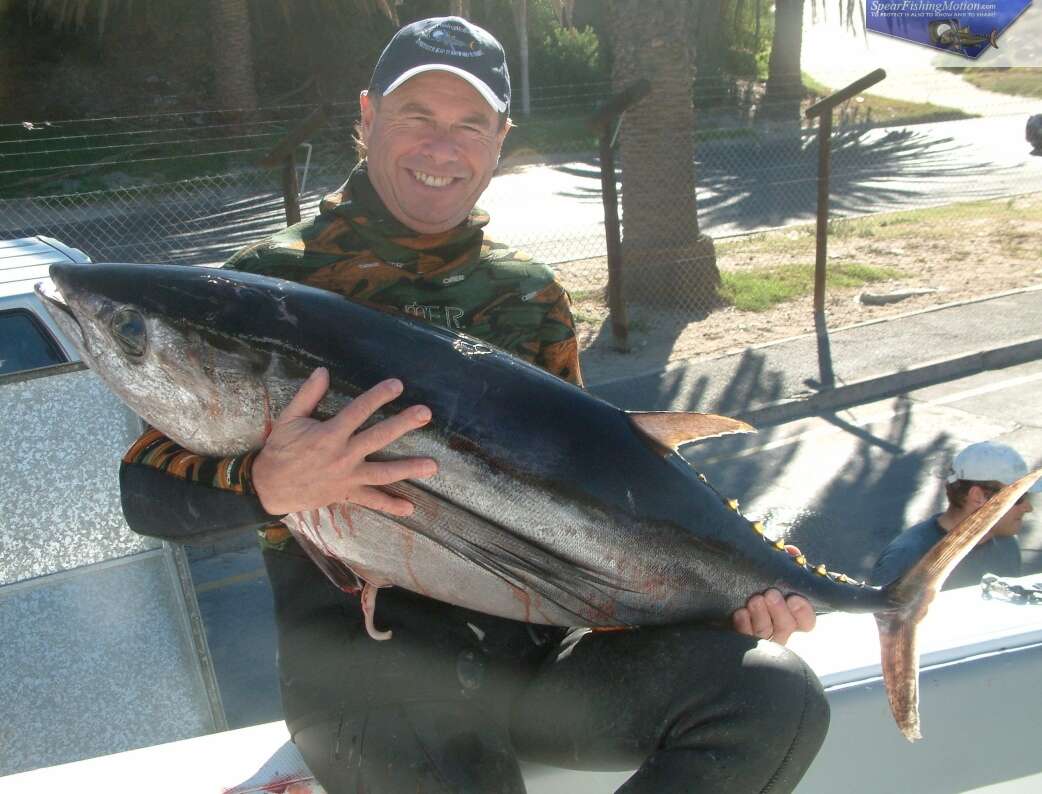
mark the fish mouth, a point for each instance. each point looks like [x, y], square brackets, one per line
[55, 303]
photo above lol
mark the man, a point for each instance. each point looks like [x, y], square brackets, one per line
[455, 696]
[976, 474]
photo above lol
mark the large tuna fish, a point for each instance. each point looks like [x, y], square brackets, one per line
[549, 506]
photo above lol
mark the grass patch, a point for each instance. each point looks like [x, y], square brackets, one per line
[760, 289]
[1018, 81]
[878, 111]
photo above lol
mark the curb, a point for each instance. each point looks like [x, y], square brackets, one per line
[892, 384]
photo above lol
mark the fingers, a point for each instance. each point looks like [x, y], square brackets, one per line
[743, 622]
[392, 471]
[388, 431]
[354, 415]
[771, 617]
[759, 618]
[802, 611]
[375, 499]
[308, 396]
[783, 624]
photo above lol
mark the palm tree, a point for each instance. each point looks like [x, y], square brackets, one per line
[667, 261]
[232, 53]
[784, 88]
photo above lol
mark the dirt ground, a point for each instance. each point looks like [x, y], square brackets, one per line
[986, 254]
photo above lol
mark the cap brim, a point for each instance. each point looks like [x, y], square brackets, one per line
[479, 85]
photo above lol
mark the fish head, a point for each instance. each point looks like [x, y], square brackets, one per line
[163, 339]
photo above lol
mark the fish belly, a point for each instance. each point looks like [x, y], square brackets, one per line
[382, 552]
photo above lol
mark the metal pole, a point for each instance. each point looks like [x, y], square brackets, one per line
[824, 139]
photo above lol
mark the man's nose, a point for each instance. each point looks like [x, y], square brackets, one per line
[440, 146]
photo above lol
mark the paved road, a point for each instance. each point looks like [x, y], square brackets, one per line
[840, 486]
[555, 210]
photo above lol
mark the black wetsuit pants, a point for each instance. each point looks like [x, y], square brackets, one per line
[455, 697]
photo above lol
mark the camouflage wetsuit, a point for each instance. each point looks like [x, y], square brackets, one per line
[450, 702]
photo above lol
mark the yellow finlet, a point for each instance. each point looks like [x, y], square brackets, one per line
[670, 429]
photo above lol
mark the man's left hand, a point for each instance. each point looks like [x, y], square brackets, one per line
[771, 617]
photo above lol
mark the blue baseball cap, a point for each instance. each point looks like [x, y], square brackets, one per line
[445, 44]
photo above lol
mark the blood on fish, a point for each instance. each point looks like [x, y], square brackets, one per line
[524, 598]
[269, 423]
[333, 521]
[408, 545]
[345, 513]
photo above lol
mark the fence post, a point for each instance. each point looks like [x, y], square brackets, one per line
[823, 109]
[602, 123]
[283, 154]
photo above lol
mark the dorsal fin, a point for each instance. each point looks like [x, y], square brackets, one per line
[670, 429]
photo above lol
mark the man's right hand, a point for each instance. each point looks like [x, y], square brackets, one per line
[306, 463]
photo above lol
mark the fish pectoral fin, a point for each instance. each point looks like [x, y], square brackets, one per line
[671, 429]
[369, 612]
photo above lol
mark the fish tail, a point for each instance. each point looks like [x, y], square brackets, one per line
[911, 595]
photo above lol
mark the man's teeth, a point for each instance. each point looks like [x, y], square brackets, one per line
[432, 181]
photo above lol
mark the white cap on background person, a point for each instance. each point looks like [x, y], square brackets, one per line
[989, 461]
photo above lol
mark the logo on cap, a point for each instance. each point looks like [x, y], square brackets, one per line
[441, 41]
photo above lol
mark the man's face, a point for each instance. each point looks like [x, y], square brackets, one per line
[432, 144]
[1009, 525]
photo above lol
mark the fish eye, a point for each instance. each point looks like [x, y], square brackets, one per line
[128, 326]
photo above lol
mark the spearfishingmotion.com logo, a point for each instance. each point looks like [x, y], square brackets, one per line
[961, 27]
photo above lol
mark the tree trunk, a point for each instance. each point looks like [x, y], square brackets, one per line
[520, 8]
[711, 85]
[232, 55]
[667, 262]
[784, 88]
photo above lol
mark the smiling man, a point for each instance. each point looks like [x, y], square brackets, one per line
[451, 702]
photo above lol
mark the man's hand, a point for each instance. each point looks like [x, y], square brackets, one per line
[771, 617]
[306, 463]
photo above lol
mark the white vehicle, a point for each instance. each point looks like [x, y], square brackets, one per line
[102, 647]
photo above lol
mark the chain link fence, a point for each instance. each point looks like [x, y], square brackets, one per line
[920, 214]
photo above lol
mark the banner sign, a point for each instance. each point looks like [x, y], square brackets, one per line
[959, 27]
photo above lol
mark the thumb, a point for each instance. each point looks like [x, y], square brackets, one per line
[308, 396]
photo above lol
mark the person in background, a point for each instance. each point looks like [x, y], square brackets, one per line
[977, 473]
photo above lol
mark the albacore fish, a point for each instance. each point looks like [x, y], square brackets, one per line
[549, 506]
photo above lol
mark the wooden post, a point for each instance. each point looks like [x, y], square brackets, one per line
[602, 122]
[290, 190]
[823, 110]
[284, 154]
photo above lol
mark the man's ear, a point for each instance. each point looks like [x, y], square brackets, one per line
[368, 110]
[978, 495]
[501, 135]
